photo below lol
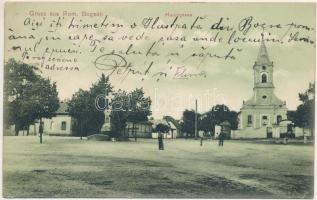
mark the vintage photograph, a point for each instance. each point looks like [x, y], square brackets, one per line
[159, 100]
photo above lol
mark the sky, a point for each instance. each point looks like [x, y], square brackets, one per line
[223, 81]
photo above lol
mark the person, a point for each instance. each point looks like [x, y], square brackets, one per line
[160, 141]
[221, 138]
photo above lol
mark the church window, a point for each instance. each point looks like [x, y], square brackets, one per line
[263, 97]
[63, 126]
[249, 119]
[278, 118]
[263, 67]
[264, 78]
[264, 117]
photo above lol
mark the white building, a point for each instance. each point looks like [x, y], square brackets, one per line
[60, 125]
[261, 113]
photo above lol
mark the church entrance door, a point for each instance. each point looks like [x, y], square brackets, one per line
[269, 132]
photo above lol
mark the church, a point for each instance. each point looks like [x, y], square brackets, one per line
[264, 111]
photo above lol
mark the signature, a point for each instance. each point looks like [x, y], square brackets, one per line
[117, 64]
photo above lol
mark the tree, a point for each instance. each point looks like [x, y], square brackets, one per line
[101, 88]
[79, 107]
[220, 113]
[27, 95]
[188, 123]
[139, 108]
[45, 100]
[305, 112]
[87, 107]
[118, 116]
[208, 120]
[162, 128]
[205, 124]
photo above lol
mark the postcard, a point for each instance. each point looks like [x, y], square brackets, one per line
[159, 100]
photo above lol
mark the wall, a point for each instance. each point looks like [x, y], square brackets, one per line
[249, 133]
[168, 135]
[257, 114]
[142, 130]
[54, 126]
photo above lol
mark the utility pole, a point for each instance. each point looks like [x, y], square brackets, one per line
[196, 132]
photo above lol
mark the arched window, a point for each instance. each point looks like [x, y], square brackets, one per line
[264, 78]
[278, 118]
[249, 120]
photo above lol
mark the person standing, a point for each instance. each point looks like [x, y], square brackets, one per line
[160, 141]
[221, 138]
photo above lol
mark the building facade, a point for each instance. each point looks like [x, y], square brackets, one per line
[171, 134]
[59, 125]
[264, 110]
[140, 129]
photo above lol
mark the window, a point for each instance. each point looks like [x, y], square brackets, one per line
[264, 117]
[249, 119]
[278, 118]
[263, 67]
[263, 97]
[63, 126]
[264, 78]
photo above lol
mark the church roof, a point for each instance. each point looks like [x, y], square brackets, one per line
[263, 57]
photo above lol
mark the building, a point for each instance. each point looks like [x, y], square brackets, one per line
[171, 134]
[61, 124]
[264, 110]
[141, 129]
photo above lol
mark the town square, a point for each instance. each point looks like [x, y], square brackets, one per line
[159, 100]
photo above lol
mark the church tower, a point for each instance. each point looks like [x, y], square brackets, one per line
[264, 110]
[263, 77]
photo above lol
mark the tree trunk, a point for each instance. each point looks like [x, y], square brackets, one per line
[133, 130]
[81, 129]
[27, 130]
[41, 128]
[16, 129]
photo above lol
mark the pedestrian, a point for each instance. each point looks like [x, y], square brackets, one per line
[160, 141]
[221, 138]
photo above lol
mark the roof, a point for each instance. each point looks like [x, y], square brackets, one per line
[263, 57]
[143, 122]
[163, 121]
[62, 108]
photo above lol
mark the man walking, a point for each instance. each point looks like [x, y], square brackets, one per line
[160, 141]
[221, 138]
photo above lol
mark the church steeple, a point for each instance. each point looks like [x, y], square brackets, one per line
[263, 69]
[263, 57]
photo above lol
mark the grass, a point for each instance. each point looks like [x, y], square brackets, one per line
[69, 167]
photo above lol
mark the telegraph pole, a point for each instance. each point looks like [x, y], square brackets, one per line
[196, 132]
